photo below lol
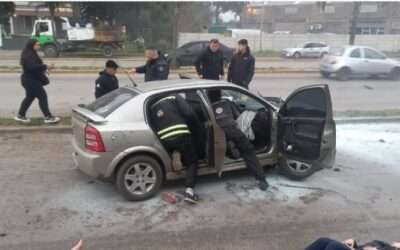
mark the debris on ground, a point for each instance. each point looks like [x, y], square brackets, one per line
[171, 197]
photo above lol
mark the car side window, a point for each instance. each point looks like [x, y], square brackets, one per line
[372, 54]
[196, 47]
[356, 53]
[242, 100]
[308, 45]
[307, 103]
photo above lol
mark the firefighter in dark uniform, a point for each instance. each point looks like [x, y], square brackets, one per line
[226, 114]
[175, 122]
[156, 67]
[107, 81]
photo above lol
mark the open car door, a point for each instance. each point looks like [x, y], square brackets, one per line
[216, 143]
[306, 132]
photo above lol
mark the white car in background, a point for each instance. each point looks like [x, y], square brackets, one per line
[358, 61]
[309, 49]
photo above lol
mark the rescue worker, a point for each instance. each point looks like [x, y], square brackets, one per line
[241, 67]
[156, 67]
[175, 122]
[210, 64]
[226, 114]
[107, 81]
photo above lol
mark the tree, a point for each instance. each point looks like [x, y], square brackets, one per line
[236, 7]
[6, 10]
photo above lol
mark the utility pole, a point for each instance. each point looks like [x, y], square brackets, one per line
[262, 26]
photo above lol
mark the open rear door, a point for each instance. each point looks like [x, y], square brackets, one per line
[307, 132]
[216, 147]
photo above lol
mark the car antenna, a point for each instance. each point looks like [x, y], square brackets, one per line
[130, 78]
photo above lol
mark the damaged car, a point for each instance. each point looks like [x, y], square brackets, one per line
[114, 140]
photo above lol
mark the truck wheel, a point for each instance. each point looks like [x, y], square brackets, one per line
[50, 50]
[295, 170]
[139, 178]
[108, 51]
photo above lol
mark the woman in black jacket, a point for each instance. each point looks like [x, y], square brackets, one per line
[33, 79]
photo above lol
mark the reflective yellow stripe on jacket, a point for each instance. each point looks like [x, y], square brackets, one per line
[173, 130]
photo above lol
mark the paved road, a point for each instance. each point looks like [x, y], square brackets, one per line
[68, 90]
[47, 204]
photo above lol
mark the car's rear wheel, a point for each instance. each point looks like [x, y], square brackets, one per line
[325, 74]
[296, 55]
[295, 170]
[343, 74]
[395, 74]
[139, 178]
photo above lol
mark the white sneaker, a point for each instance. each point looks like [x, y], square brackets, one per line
[51, 120]
[22, 119]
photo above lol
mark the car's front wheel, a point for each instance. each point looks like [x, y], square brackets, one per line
[325, 74]
[139, 178]
[395, 74]
[343, 74]
[297, 55]
[295, 170]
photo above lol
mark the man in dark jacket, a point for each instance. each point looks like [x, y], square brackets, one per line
[175, 122]
[226, 114]
[107, 81]
[156, 67]
[210, 64]
[241, 68]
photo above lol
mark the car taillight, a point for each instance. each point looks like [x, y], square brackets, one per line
[93, 140]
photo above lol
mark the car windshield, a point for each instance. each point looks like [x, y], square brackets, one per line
[107, 104]
[336, 51]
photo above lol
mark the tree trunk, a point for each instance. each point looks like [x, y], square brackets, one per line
[353, 22]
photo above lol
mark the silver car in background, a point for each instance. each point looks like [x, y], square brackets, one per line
[358, 61]
[309, 49]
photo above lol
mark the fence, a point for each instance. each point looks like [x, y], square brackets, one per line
[275, 42]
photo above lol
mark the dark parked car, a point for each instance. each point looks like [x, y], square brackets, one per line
[187, 54]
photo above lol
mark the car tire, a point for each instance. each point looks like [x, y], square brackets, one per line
[325, 74]
[50, 50]
[395, 74]
[108, 51]
[140, 169]
[295, 170]
[343, 74]
[297, 55]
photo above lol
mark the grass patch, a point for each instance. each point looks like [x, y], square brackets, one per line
[35, 122]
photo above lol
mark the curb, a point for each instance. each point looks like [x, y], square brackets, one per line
[39, 129]
[68, 129]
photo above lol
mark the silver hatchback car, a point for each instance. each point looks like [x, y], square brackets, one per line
[358, 61]
[114, 140]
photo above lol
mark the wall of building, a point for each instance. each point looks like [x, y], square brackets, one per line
[279, 42]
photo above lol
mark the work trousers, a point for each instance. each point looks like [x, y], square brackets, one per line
[33, 91]
[184, 145]
[246, 150]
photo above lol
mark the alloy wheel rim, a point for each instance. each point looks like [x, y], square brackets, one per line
[140, 178]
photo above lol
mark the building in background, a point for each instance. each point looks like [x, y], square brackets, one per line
[21, 23]
[309, 17]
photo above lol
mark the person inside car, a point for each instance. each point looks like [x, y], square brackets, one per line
[174, 122]
[156, 67]
[210, 64]
[107, 81]
[226, 114]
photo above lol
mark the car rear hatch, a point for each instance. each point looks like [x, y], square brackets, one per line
[97, 112]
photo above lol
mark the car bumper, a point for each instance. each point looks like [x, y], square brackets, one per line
[286, 54]
[88, 163]
[329, 68]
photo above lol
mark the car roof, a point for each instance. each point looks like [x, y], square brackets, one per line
[167, 85]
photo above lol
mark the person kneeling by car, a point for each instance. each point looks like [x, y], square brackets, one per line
[174, 120]
[226, 115]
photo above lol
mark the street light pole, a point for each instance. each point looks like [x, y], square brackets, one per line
[262, 26]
